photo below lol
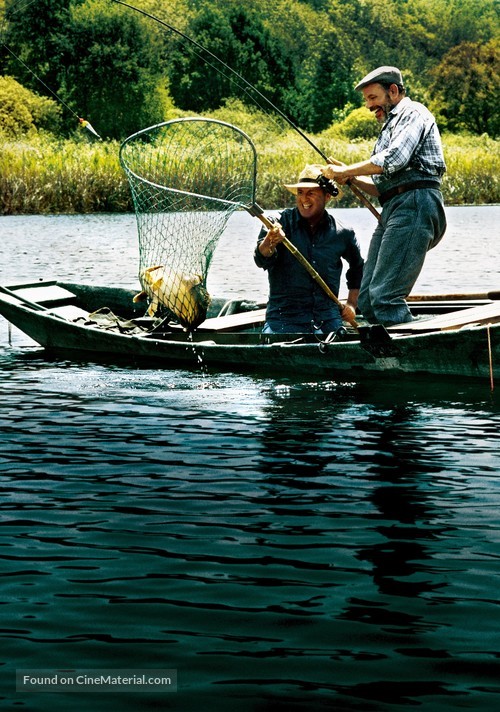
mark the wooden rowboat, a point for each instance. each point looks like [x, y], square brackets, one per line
[452, 336]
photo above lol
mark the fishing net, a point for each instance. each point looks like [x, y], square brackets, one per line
[187, 177]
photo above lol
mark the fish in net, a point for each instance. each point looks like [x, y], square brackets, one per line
[187, 176]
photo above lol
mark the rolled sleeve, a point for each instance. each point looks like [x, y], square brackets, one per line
[264, 262]
[259, 259]
[352, 255]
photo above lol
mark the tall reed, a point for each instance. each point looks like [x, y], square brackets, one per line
[46, 175]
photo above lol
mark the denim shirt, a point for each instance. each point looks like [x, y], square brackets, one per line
[294, 296]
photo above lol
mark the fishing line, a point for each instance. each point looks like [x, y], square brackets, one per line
[85, 124]
[41, 81]
[204, 54]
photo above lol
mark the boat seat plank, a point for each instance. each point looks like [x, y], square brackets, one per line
[488, 313]
[437, 307]
[233, 322]
[69, 312]
[52, 294]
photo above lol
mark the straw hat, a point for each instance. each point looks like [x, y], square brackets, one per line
[307, 178]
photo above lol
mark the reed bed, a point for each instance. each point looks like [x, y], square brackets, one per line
[472, 170]
[42, 175]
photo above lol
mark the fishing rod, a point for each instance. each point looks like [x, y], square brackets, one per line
[203, 52]
[83, 122]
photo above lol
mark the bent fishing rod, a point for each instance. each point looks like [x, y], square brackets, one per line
[204, 54]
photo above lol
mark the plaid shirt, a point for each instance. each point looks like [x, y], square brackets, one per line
[408, 147]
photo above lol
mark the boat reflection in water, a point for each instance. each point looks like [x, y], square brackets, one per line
[285, 541]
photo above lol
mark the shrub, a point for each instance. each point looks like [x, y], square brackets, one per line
[23, 112]
[358, 124]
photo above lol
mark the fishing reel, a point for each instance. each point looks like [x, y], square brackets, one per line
[327, 185]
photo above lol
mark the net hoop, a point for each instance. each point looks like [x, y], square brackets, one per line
[187, 176]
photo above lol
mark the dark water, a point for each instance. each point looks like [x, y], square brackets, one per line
[283, 545]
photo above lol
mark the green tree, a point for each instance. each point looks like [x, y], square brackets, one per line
[111, 68]
[412, 34]
[320, 53]
[97, 57]
[31, 31]
[235, 34]
[325, 82]
[458, 21]
[466, 85]
[120, 70]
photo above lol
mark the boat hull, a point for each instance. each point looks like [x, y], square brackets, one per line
[472, 351]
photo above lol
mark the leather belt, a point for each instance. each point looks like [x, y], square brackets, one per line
[399, 189]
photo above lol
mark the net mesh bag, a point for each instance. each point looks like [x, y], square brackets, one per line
[187, 177]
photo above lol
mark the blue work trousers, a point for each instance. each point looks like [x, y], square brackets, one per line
[411, 224]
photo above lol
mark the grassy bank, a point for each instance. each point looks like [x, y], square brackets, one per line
[46, 175]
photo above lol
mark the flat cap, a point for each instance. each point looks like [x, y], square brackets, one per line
[383, 75]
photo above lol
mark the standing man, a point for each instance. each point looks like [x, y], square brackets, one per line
[297, 304]
[404, 172]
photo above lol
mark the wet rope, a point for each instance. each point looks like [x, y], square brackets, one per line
[490, 358]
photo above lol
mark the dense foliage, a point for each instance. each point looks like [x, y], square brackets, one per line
[467, 86]
[123, 70]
